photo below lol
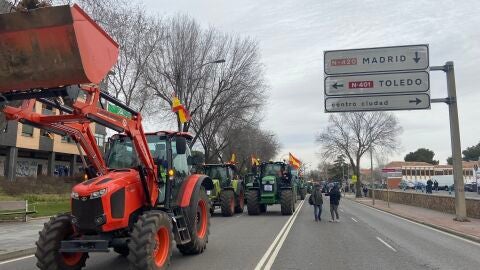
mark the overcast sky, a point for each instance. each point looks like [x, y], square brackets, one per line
[293, 34]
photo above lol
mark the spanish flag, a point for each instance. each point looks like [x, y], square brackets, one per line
[177, 107]
[295, 162]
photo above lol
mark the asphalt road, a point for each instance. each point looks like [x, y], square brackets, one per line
[363, 239]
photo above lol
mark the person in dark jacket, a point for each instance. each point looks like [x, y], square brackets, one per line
[317, 202]
[334, 202]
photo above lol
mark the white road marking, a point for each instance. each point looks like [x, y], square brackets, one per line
[17, 259]
[426, 227]
[354, 219]
[386, 244]
[280, 244]
[278, 240]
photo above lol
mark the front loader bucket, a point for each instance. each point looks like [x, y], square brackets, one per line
[53, 46]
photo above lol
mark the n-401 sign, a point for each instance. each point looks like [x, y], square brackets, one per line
[383, 83]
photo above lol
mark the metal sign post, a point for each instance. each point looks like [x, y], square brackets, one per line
[451, 100]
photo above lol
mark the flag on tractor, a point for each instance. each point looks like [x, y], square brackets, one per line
[295, 162]
[255, 161]
[233, 158]
[177, 107]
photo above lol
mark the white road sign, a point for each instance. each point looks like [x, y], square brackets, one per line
[377, 103]
[379, 83]
[384, 59]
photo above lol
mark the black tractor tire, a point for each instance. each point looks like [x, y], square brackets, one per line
[303, 193]
[227, 202]
[198, 223]
[151, 241]
[263, 208]
[122, 250]
[58, 228]
[240, 201]
[253, 205]
[287, 203]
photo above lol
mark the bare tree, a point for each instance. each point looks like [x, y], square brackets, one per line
[187, 66]
[353, 134]
[138, 35]
[249, 140]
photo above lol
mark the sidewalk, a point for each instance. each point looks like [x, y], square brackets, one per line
[435, 219]
[18, 238]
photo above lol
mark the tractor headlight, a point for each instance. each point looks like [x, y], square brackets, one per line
[98, 193]
[74, 195]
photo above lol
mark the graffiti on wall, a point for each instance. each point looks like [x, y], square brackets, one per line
[26, 168]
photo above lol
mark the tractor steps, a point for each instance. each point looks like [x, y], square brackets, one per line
[182, 234]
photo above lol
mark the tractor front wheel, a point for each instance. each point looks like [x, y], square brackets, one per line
[287, 203]
[198, 223]
[253, 205]
[151, 242]
[303, 193]
[49, 257]
[240, 202]
[227, 202]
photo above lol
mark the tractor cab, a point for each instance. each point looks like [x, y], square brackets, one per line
[228, 191]
[278, 173]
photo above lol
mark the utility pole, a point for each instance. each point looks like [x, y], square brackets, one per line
[451, 100]
[371, 175]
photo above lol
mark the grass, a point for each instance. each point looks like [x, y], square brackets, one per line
[44, 204]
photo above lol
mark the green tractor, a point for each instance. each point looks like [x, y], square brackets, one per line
[301, 187]
[309, 187]
[229, 190]
[274, 186]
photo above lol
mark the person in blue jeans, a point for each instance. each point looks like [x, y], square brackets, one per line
[317, 202]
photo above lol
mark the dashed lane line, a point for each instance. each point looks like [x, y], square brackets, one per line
[354, 220]
[17, 259]
[386, 244]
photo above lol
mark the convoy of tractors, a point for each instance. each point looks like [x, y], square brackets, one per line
[140, 195]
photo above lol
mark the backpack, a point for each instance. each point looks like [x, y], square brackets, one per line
[310, 199]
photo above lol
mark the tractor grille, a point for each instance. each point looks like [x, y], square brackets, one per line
[85, 210]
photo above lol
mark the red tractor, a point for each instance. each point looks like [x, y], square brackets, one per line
[140, 195]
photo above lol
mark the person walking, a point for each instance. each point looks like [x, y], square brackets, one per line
[317, 201]
[435, 185]
[334, 202]
[365, 191]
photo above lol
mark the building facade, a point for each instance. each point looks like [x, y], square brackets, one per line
[397, 171]
[28, 152]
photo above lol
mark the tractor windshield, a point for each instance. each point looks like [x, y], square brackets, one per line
[219, 173]
[271, 169]
[122, 154]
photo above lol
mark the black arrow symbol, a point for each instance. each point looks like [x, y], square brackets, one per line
[416, 100]
[336, 85]
[416, 59]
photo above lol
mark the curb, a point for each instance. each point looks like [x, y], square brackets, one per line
[17, 254]
[441, 228]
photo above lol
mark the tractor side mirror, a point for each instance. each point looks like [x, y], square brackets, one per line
[181, 144]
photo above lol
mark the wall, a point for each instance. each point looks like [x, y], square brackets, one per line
[434, 202]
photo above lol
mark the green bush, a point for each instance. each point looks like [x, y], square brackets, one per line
[38, 187]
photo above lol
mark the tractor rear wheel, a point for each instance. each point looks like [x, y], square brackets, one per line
[303, 193]
[48, 256]
[240, 201]
[227, 202]
[253, 205]
[287, 203]
[151, 242]
[198, 223]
